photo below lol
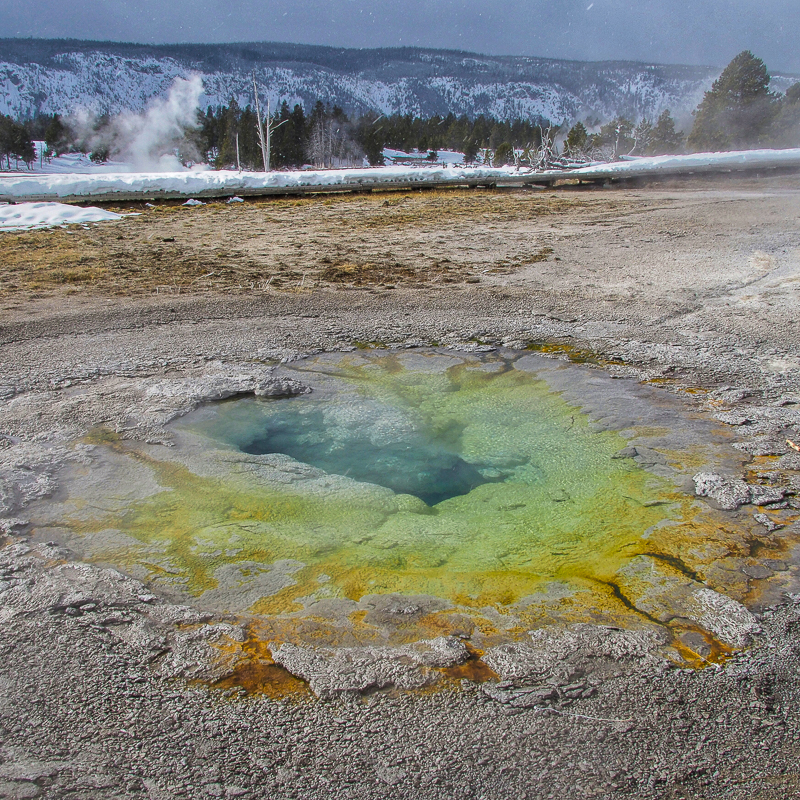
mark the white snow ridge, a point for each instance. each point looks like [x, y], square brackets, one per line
[209, 184]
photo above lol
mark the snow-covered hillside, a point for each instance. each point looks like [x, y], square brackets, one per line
[61, 76]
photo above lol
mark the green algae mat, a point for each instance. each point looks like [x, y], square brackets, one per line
[492, 484]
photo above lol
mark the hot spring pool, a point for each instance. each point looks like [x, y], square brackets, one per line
[505, 486]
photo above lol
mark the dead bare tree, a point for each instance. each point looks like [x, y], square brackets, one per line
[330, 143]
[260, 127]
[320, 143]
[547, 155]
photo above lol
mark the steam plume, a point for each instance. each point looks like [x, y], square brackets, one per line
[148, 141]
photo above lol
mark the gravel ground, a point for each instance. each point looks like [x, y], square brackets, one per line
[106, 694]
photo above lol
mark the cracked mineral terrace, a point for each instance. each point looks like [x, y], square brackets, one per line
[677, 678]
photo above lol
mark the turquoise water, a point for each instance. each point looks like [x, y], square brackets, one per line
[425, 463]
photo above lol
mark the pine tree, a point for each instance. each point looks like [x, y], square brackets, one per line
[227, 132]
[616, 138]
[15, 141]
[372, 137]
[503, 155]
[249, 145]
[281, 138]
[664, 139]
[576, 140]
[786, 128]
[208, 134]
[298, 137]
[55, 134]
[470, 149]
[738, 110]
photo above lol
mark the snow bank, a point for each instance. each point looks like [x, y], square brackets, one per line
[129, 186]
[697, 162]
[224, 183]
[27, 216]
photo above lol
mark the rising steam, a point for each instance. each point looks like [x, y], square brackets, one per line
[156, 140]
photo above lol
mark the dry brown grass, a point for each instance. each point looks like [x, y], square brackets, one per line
[387, 239]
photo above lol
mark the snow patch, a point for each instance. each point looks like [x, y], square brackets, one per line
[29, 216]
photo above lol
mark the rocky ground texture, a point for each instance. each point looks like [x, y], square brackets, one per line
[110, 691]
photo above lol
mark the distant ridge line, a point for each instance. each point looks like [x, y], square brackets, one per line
[280, 51]
[46, 76]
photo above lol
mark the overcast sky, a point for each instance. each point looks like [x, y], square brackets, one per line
[667, 31]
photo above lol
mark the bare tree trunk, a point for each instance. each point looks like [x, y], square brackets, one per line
[269, 135]
[261, 140]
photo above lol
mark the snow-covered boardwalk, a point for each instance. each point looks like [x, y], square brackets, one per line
[126, 186]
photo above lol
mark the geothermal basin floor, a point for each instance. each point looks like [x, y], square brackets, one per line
[119, 686]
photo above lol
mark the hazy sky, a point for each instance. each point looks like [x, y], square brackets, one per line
[675, 31]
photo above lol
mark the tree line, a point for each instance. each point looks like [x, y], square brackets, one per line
[739, 112]
[227, 136]
[328, 137]
[15, 142]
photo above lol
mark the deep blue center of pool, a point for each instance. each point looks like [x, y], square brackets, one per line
[424, 466]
